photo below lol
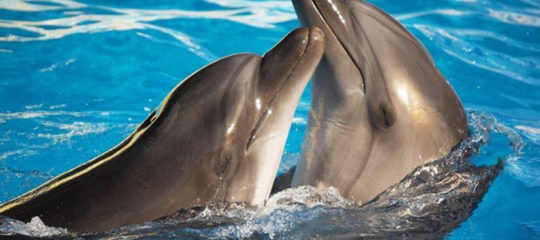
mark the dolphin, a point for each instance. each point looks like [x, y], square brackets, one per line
[218, 137]
[379, 105]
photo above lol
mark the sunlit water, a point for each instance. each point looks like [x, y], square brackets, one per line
[77, 77]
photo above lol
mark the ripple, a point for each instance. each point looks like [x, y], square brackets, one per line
[515, 18]
[25, 6]
[443, 12]
[41, 114]
[260, 15]
[56, 65]
[72, 130]
[452, 42]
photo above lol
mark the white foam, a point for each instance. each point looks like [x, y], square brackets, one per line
[299, 120]
[274, 217]
[35, 228]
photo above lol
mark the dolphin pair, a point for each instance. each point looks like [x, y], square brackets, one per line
[379, 109]
[218, 137]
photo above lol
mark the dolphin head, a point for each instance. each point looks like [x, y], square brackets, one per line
[268, 108]
[379, 105]
[235, 117]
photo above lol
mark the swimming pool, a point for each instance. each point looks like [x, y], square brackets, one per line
[77, 77]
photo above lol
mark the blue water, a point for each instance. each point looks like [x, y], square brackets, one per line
[77, 77]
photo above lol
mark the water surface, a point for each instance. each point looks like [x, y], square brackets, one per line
[78, 76]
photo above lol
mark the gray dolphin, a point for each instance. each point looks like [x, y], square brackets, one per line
[379, 106]
[218, 137]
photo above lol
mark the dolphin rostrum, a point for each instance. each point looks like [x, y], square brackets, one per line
[218, 137]
[379, 105]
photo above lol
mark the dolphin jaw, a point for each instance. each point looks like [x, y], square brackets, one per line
[314, 35]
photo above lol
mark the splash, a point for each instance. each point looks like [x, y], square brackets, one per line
[275, 217]
[35, 228]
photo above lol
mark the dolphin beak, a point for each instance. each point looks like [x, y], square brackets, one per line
[348, 34]
[333, 17]
[333, 11]
[285, 71]
[284, 61]
[325, 14]
[343, 23]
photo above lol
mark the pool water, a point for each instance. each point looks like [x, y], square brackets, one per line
[76, 77]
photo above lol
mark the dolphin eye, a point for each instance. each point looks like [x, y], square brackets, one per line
[222, 166]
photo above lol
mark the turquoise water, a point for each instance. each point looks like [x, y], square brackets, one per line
[77, 77]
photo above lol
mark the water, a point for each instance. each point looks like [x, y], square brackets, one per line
[77, 77]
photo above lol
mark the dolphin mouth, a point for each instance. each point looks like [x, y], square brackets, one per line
[321, 13]
[269, 106]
